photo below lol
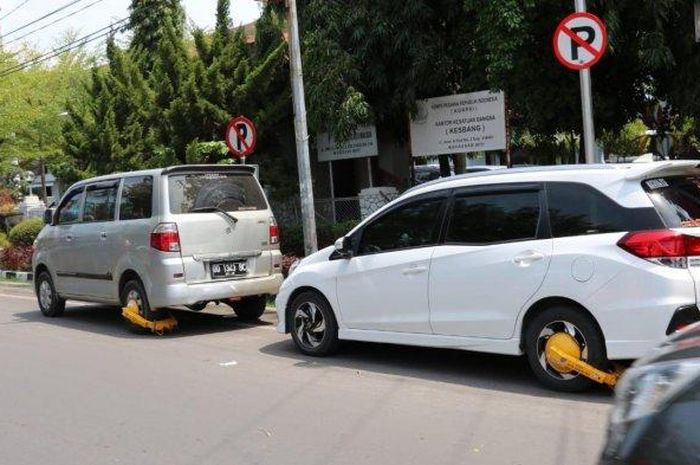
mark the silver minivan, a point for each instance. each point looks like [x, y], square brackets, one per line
[179, 236]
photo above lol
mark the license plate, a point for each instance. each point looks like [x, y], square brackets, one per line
[228, 269]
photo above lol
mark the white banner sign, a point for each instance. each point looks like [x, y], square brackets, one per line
[459, 124]
[361, 144]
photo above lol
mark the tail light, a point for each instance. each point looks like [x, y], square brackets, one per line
[166, 238]
[664, 247]
[274, 233]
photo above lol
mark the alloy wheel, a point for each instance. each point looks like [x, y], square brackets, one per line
[309, 325]
[45, 295]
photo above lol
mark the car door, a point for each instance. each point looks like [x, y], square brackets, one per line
[68, 242]
[384, 287]
[99, 252]
[494, 258]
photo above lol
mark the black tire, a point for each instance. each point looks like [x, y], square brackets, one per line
[135, 288]
[300, 313]
[587, 334]
[51, 305]
[250, 308]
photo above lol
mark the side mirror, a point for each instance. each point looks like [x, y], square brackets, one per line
[48, 216]
[343, 247]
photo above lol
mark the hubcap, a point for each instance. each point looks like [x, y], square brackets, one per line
[309, 325]
[135, 296]
[45, 295]
[548, 331]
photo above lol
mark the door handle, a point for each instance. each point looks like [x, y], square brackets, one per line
[414, 270]
[528, 258]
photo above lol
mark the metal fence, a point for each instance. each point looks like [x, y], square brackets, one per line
[339, 210]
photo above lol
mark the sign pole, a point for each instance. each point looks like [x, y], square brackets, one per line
[332, 185]
[302, 133]
[587, 104]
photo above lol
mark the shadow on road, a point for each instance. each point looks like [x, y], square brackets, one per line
[108, 321]
[484, 371]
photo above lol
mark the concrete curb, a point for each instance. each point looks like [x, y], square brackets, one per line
[17, 275]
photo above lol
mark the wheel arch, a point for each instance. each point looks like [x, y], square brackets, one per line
[40, 268]
[294, 295]
[126, 276]
[550, 302]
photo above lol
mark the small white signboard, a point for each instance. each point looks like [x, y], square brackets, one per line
[361, 144]
[461, 123]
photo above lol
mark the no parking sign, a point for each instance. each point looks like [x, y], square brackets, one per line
[241, 137]
[580, 41]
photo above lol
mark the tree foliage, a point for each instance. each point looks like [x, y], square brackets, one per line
[33, 105]
[370, 60]
[167, 98]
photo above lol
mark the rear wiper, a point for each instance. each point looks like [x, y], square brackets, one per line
[215, 210]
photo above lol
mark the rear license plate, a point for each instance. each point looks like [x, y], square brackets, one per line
[228, 269]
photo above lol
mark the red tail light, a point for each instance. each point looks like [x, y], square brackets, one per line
[274, 234]
[661, 244]
[166, 238]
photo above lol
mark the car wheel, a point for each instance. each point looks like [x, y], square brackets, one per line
[133, 290]
[575, 323]
[50, 303]
[314, 327]
[250, 308]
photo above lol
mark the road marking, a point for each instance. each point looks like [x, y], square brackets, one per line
[228, 364]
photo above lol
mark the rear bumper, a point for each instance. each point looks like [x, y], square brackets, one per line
[175, 294]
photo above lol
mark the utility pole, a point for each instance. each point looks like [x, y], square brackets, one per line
[302, 132]
[587, 104]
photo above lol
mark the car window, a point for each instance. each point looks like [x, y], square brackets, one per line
[69, 210]
[491, 218]
[578, 209]
[231, 192]
[100, 202]
[412, 225]
[137, 198]
[677, 199]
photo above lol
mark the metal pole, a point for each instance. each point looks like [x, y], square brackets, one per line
[42, 168]
[332, 184]
[587, 104]
[302, 133]
[369, 172]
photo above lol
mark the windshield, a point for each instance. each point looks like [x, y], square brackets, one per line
[230, 192]
[677, 199]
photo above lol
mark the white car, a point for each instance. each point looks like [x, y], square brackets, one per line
[498, 261]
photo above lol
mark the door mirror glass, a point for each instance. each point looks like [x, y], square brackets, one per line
[48, 216]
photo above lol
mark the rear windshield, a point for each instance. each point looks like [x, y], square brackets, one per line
[677, 199]
[231, 192]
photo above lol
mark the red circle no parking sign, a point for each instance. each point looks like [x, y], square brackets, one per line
[580, 41]
[241, 137]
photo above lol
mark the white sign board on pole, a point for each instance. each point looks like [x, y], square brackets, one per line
[461, 123]
[362, 143]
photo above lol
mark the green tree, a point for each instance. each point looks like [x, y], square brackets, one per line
[151, 21]
[32, 108]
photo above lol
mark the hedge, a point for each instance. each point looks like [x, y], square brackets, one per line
[26, 232]
[4, 243]
[16, 258]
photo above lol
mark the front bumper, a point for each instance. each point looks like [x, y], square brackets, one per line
[281, 303]
[176, 294]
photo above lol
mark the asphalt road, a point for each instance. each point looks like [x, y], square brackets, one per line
[83, 390]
